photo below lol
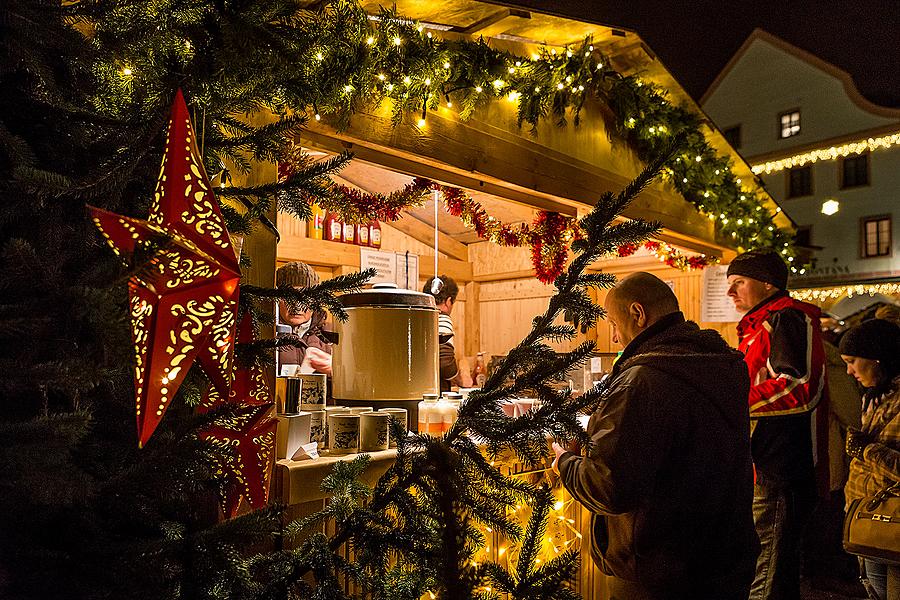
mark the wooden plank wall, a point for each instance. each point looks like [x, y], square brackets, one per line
[507, 305]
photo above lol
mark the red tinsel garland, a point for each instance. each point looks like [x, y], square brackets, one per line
[668, 255]
[548, 236]
[356, 206]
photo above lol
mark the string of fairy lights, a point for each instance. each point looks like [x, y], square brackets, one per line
[831, 153]
[360, 60]
[850, 290]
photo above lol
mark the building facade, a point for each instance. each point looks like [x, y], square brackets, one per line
[827, 155]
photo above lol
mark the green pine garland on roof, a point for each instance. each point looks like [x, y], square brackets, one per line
[343, 60]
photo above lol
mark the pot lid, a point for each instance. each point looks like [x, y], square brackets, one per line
[387, 294]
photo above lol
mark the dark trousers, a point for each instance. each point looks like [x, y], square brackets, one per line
[780, 511]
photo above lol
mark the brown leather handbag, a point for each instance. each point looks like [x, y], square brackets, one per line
[872, 526]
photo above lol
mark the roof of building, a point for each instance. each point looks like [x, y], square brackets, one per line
[760, 35]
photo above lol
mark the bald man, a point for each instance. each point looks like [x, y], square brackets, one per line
[668, 477]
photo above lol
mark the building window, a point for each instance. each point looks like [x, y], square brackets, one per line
[876, 236]
[803, 237]
[855, 171]
[789, 123]
[733, 136]
[800, 182]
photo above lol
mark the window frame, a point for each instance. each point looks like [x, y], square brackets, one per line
[787, 192]
[780, 130]
[808, 229]
[736, 128]
[863, 238]
[868, 182]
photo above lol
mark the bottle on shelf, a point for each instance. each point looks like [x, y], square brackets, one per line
[315, 226]
[451, 401]
[479, 373]
[334, 228]
[374, 234]
[349, 235]
[430, 420]
[362, 234]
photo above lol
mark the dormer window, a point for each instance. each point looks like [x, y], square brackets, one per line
[790, 123]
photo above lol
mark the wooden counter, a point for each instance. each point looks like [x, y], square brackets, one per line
[298, 485]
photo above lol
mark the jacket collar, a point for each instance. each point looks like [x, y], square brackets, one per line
[761, 311]
[633, 348]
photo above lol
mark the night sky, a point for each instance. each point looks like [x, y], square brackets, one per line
[695, 39]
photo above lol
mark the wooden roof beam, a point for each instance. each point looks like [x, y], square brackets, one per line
[423, 232]
[482, 24]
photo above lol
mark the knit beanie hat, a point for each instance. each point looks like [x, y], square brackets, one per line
[875, 339]
[297, 274]
[763, 265]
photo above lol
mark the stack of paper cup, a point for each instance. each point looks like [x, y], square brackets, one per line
[373, 431]
[331, 410]
[400, 415]
[343, 433]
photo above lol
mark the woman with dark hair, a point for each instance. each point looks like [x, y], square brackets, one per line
[872, 353]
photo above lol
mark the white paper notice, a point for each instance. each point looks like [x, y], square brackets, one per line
[306, 451]
[384, 263]
[407, 271]
[717, 307]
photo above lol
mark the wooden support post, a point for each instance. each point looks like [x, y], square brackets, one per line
[473, 318]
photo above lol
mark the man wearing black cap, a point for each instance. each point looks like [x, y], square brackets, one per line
[781, 341]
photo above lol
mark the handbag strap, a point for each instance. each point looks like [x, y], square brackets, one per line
[891, 490]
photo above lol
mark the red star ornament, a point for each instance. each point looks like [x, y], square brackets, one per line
[183, 304]
[250, 433]
[249, 387]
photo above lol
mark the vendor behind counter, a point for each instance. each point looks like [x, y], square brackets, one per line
[314, 355]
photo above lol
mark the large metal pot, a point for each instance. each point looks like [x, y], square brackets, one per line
[387, 349]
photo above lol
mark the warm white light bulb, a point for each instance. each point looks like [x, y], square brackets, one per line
[830, 207]
[397, 41]
[421, 122]
[370, 40]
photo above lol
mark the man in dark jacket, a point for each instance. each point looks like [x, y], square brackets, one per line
[668, 475]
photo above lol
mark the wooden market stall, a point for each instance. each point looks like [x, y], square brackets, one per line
[513, 173]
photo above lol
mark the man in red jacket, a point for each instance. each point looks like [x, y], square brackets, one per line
[781, 341]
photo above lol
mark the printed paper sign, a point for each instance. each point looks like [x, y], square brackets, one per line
[717, 307]
[384, 263]
[407, 277]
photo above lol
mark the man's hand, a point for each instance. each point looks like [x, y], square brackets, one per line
[559, 450]
[574, 448]
[856, 443]
[318, 360]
